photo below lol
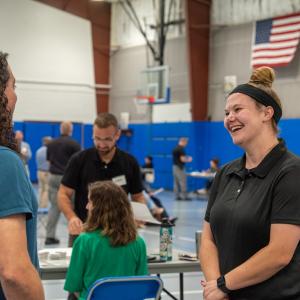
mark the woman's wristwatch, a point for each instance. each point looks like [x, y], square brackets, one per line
[221, 283]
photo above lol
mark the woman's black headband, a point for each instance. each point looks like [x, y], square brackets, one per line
[261, 97]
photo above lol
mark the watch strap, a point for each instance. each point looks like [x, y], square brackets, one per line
[221, 283]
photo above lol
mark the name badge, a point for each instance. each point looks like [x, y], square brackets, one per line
[119, 180]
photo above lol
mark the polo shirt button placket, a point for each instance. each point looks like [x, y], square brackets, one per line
[240, 188]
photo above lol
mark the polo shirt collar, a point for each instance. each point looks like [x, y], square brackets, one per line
[238, 168]
[116, 156]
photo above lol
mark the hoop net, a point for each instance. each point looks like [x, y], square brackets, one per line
[141, 103]
[144, 99]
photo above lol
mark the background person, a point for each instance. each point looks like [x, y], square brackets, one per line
[110, 238]
[179, 161]
[43, 171]
[59, 152]
[24, 149]
[147, 170]
[102, 162]
[250, 242]
[18, 206]
[148, 162]
[213, 169]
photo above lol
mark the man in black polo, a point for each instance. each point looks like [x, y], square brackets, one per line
[102, 162]
[59, 152]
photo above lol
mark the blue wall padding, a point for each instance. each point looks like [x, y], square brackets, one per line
[219, 144]
[124, 143]
[56, 132]
[162, 163]
[19, 126]
[77, 133]
[87, 136]
[33, 134]
[206, 140]
[139, 143]
[290, 132]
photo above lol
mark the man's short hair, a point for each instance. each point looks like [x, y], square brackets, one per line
[105, 120]
[183, 139]
[46, 140]
[66, 128]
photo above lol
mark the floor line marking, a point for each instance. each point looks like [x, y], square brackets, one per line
[186, 239]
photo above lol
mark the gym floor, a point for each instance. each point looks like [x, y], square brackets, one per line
[190, 219]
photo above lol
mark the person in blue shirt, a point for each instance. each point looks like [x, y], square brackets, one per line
[18, 206]
[43, 171]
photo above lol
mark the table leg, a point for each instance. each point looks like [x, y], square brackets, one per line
[181, 286]
[167, 292]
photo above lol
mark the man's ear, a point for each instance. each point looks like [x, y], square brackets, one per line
[118, 134]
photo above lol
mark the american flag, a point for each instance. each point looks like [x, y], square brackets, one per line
[275, 41]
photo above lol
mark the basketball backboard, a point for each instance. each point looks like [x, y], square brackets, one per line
[154, 83]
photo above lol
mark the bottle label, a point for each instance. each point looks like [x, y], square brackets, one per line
[166, 243]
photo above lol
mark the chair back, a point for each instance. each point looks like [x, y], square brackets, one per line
[126, 288]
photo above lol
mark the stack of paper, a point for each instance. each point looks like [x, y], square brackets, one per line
[142, 213]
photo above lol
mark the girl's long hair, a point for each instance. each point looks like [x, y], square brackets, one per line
[7, 136]
[111, 213]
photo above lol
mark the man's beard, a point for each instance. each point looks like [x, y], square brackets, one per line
[106, 151]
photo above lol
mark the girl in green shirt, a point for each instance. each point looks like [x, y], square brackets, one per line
[110, 245]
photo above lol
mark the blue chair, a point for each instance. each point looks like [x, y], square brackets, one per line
[126, 288]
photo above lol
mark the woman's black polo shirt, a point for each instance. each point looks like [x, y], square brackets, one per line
[86, 167]
[242, 206]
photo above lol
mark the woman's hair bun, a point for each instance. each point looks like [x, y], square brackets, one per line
[263, 75]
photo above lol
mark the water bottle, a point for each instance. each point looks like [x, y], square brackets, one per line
[165, 240]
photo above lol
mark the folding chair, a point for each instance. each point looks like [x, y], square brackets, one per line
[126, 288]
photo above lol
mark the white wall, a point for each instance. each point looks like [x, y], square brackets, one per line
[52, 59]
[172, 112]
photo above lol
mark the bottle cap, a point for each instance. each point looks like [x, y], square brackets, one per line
[166, 222]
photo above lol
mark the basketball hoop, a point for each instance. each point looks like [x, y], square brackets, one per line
[144, 99]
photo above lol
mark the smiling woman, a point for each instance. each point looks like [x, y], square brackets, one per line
[255, 108]
[254, 201]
